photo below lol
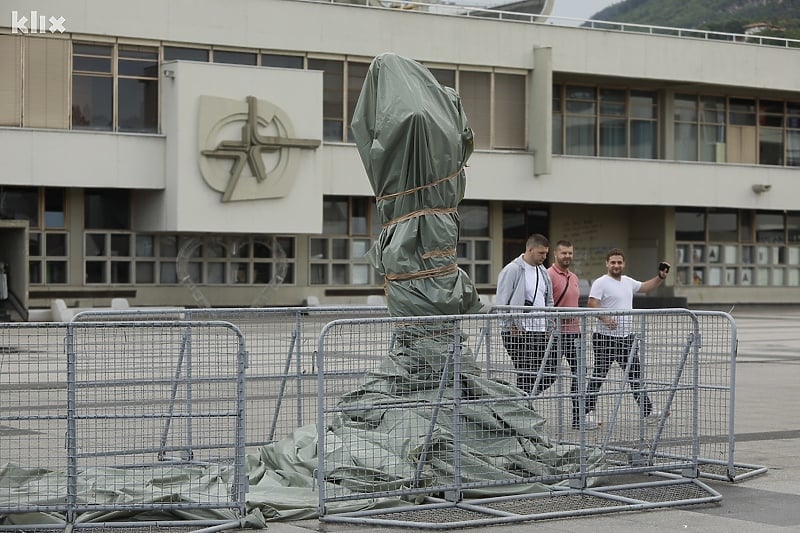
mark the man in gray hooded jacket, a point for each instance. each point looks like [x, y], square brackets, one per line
[525, 281]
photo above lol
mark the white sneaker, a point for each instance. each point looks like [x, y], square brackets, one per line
[655, 416]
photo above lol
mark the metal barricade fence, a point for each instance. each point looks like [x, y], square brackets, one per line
[716, 379]
[282, 383]
[405, 412]
[717, 399]
[98, 419]
[281, 343]
[284, 341]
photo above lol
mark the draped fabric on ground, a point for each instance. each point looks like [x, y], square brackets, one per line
[498, 441]
[414, 140]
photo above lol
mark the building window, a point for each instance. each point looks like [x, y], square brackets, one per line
[145, 264]
[356, 74]
[558, 122]
[475, 89]
[107, 254]
[332, 97]
[108, 257]
[341, 86]
[520, 221]
[699, 128]
[690, 225]
[474, 250]
[444, 76]
[723, 225]
[233, 57]
[56, 253]
[742, 131]
[137, 87]
[495, 103]
[48, 240]
[712, 142]
[580, 120]
[95, 105]
[771, 116]
[608, 122]
[643, 124]
[509, 111]
[770, 227]
[20, 203]
[282, 61]
[92, 86]
[737, 248]
[338, 257]
[55, 237]
[793, 134]
[685, 116]
[736, 130]
[147, 259]
[182, 53]
[613, 127]
[106, 209]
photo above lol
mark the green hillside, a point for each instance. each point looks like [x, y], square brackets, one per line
[716, 15]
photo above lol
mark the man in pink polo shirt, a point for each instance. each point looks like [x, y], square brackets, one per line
[565, 294]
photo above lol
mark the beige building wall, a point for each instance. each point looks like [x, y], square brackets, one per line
[593, 230]
[595, 202]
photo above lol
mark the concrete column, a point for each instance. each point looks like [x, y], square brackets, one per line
[540, 114]
[667, 124]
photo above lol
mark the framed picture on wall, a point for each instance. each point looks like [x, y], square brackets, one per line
[698, 253]
[681, 253]
[713, 254]
[762, 255]
[747, 255]
[793, 255]
[731, 254]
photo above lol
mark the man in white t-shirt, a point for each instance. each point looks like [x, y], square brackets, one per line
[525, 281]
[613, 340]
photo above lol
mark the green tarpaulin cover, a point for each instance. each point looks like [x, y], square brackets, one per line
[414, 140]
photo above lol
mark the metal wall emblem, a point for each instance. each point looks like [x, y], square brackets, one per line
[248, 150]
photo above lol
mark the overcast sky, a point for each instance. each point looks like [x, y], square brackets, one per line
[580, 9]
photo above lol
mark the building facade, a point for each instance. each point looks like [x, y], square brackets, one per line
[199, 153]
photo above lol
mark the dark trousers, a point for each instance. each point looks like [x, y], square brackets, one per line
[568, 348]
[527, 350]
[607, 350]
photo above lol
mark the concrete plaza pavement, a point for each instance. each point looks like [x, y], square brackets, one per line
[767, 429]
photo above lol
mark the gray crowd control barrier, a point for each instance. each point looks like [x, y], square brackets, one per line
[105, 420]
[409, 413]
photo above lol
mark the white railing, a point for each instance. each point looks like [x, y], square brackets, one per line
[534, 18]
